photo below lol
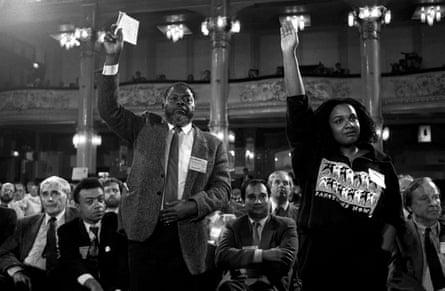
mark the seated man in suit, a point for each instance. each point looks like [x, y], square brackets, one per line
[30, 254]
[258, 248]
[92, 254]
[419, 260]
[281, 187]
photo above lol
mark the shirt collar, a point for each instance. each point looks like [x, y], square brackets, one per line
[58, 217]
[186, 128]
[421, 227]
[261, 221]
[275, 205]
[88, 225]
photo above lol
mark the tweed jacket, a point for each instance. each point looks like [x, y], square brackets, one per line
[407, 268]
[233, 251]
[140, 209]
[17, 247]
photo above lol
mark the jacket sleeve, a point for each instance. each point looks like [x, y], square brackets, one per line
[216, 194]
[10, 249]
[228, 256]
[122, 121]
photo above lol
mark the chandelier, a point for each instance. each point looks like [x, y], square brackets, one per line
[70, 36]
[369, 13]
[429, 14]
[299, 21]
[220, 23]
[174, 31]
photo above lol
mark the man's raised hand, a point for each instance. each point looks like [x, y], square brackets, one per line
[113, 44]
[289, 37]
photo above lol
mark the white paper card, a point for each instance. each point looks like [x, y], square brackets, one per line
[377, 178]
[79, 173]
[130, 27]
[197, 164]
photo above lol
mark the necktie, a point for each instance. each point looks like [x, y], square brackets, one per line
[434, 265]
[171, 183]
[51, 245]
[279, 211]
[256, 233]
[93, 250]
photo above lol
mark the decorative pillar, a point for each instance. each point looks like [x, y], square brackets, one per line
[369, 21]
[85, 137]
[220, 27]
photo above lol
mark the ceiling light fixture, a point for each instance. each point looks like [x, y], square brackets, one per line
[369, 13]
[174, 31]
[70, 36]
[220, 23]
[299, 21]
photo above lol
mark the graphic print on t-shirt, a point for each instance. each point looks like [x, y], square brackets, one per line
[354, 190]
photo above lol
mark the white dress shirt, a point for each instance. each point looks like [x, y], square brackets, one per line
[35, 257]
[185, 144]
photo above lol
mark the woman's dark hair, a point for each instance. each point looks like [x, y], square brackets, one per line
[368, 133]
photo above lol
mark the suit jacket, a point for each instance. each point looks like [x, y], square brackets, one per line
[407, 268]
[17, 247]
[291, 212]
[139, 210]
[8, 221]
[111, 267]
[278, 232]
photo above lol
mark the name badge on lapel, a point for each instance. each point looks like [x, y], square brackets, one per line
[83, 252]
[198, 165]
[377, 178]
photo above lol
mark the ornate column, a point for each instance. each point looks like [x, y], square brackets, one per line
[85, 137]
[369, 20]
[220, 27]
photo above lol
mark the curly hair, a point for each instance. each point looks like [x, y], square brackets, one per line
[368, 133]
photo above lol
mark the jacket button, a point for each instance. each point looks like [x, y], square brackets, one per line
[159, 193]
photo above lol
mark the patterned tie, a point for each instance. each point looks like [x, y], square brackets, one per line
[93, 251]
[171, 183]
[256, 233]
[51, 245]
[434, 265]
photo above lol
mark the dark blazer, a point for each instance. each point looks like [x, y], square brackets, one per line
[8, 221]
[278, 232]
[111, 268]
[139, 210]
[17, 247]
[291, 212]
[407, 267]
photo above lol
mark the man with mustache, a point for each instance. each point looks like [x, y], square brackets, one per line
[178, 176]
[281, 186]
[7, 191]
[419, 258]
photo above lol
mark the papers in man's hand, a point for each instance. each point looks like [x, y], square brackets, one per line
[130, 27]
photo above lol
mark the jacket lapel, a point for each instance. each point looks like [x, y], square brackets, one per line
[199, 150]
[413, 242]
[246, 237]
[30, 234]
[268, 233]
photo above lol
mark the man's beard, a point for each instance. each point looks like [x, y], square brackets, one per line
[177, 118]
[6, 199]
[112, 202]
